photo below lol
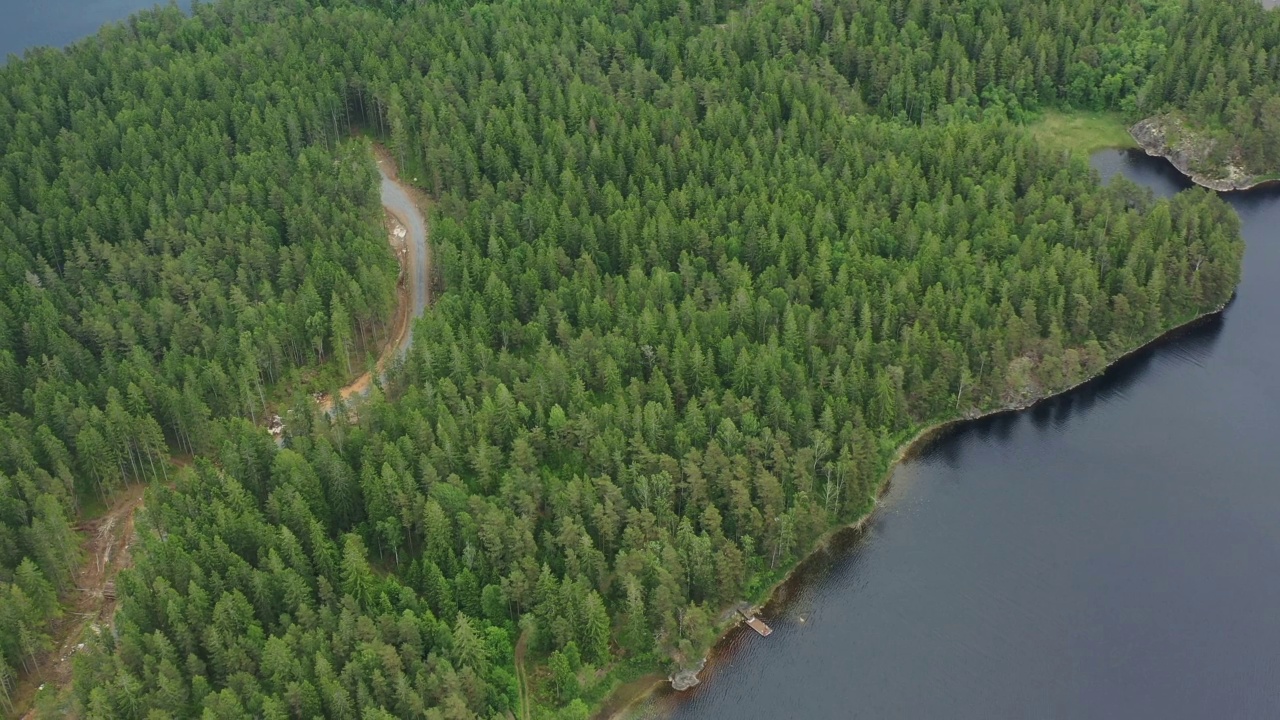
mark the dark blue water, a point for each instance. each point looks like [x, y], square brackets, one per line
[1113, 553]
[30, 23]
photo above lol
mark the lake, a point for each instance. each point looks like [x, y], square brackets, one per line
[1111, 553]
[29, 23]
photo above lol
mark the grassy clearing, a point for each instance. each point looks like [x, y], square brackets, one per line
[1081, 131]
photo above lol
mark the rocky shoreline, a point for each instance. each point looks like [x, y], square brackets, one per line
[686, 678]
[1167, 137]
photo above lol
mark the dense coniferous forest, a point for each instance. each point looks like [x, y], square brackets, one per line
[702, 267]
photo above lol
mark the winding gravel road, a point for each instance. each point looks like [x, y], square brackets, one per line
[398, 202]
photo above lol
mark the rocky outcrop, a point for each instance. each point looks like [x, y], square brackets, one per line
[1168, 137]
[687, 677]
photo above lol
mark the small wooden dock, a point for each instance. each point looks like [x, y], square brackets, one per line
[756, 624]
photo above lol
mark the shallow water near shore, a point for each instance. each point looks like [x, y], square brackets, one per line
[1113, 552]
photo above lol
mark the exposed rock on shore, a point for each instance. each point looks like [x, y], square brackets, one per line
[1192, 154]
[687, 677]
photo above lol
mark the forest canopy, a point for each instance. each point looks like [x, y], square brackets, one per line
[702, 268]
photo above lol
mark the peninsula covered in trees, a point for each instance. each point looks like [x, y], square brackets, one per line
[701, 267]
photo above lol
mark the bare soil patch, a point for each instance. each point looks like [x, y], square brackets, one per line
[106, 547]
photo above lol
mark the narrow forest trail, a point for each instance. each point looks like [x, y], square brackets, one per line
[106, 549]
[407, 232]
[522, 679]
[108, 538]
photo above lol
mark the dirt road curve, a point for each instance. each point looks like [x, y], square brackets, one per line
[109, 537]
[403, 206]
